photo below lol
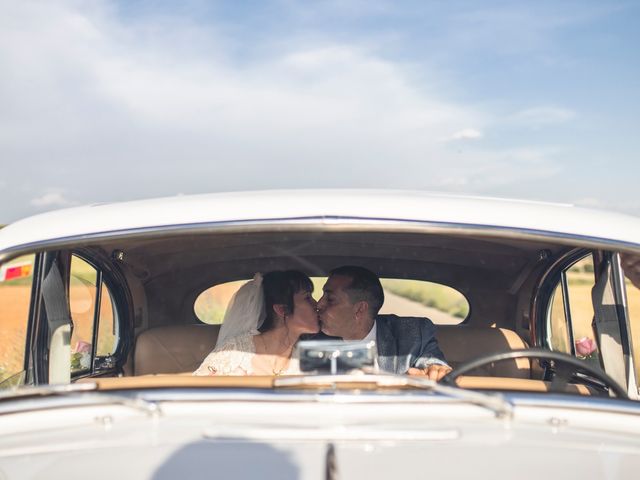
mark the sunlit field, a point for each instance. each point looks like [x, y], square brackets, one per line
[582, 315]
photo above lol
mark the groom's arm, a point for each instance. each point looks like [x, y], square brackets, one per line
[430, 360]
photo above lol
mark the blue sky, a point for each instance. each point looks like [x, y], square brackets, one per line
[107, 101]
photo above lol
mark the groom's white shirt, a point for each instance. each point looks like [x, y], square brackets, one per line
[371, 336]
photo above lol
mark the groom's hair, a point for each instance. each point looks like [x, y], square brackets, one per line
[365, 286]
[279, 287]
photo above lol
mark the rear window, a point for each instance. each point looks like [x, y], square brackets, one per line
[408, 298]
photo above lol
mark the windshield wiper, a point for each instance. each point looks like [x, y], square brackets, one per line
[494, 402]
[93, 397]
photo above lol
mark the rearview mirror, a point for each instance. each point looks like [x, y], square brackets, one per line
[336, 356]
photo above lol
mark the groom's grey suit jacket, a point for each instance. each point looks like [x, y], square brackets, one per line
[405, 342]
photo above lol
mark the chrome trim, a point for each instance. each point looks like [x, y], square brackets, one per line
[329, 223]
[150, 401]
[75, 394]
[46, 390]
[574, 402]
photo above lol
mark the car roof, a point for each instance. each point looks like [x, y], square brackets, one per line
[322, 206]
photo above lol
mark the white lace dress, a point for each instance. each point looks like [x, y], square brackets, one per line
[235, 357]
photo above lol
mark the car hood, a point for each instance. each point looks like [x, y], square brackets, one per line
[317, 437]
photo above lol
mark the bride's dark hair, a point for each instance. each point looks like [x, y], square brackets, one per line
[279, 288]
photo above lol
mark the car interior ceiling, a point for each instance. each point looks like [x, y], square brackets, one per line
[484, 270]
[403, 255]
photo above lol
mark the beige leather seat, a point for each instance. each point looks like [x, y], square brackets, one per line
[461, 343]
[173, 349]
[182, 348]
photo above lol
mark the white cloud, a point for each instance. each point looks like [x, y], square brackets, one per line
[483, 171]
[467, 134]
[542, 116]
[52, 199]
[128, 111]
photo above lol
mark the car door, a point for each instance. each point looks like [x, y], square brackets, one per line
[588, 316]
[64, 315]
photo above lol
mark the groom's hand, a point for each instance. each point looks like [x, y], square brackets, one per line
[433, 372]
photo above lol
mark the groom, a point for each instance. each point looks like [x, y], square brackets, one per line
[349, 309]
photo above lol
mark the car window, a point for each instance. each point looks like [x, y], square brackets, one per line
[412, 298]
[570, 314]
[633, 303]
[415, 298]
[558, 336]
[107, 324]
[16, 279]
[89, 314]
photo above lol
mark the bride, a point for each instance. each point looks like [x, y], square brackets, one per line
[263, 322]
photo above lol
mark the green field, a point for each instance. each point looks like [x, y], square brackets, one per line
[429, 294]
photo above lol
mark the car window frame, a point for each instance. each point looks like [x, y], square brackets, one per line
[544, 294]
[624, 321]
[108, 274]
[566, 302]
[97, 301]
[37, 345]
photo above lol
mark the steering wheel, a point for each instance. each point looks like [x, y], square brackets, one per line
[565, 367]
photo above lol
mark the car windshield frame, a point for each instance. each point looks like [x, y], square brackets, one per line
[322, 224]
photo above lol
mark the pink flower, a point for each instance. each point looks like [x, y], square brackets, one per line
[585, 346]
[82, 347]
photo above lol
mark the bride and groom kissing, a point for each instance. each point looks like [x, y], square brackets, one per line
[268, 314]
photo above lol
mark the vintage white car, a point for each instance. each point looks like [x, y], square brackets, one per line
[106, 310]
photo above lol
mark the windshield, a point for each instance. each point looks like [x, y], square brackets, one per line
[420, 305]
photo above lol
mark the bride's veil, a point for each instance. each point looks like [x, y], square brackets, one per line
[245, 313]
